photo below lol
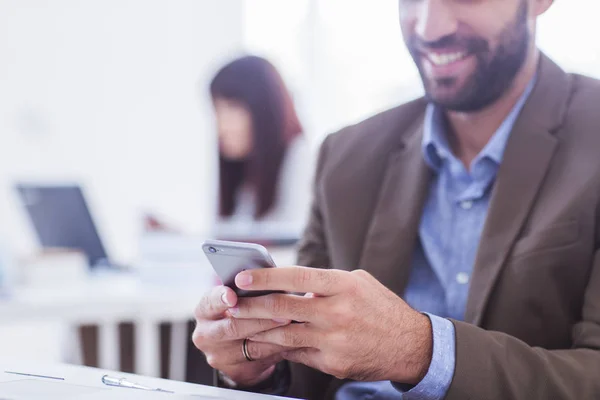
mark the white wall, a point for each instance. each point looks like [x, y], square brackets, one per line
[567, 32]
[355, 60]
[106, 91]
[111, 93]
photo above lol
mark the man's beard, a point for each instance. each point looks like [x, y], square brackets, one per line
[494, 73]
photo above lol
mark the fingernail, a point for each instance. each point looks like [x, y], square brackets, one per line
[225, 300]
[243, 279]
[281, 321]
[234, 311]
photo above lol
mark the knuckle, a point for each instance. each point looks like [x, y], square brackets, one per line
[215, 304]
[265, 325]
[214, 333]
[218, 331]
[359, 277]
[275, 305]
[292, 340]
[230, 329]
[267, 277]
[200, 310]
[212, 360]
[327, 279]
[297, 307]
[361, 273]
[331, 279]
[210, 303]
[340, 313]
[198, 338]
[305, 276]
[215, 361]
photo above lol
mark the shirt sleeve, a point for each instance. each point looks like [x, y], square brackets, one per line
[436, 383]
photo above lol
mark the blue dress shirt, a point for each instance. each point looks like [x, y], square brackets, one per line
[449, 234]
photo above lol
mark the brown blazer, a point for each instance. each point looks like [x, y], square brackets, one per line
[532, 324]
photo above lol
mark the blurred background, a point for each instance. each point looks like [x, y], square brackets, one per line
[113, 97]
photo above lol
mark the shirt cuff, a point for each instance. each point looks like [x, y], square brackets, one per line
[436, 383]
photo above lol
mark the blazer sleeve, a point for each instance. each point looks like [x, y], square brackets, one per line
[510, 369]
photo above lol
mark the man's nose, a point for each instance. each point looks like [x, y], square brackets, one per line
[435, 20]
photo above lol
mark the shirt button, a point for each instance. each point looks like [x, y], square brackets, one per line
[462, 278]
[466, 205]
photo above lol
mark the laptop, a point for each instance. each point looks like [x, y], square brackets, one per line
[61, 218]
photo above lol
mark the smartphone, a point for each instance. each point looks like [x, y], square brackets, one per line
[230, 258]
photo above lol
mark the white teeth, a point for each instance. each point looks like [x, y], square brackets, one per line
[447, 58]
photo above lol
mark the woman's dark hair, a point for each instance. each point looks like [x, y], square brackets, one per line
[255, 83]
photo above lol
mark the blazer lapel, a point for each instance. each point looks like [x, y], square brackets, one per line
[392, 234]
[526, 160]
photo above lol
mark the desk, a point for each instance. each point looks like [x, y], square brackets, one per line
[107, 300]
[91, 378]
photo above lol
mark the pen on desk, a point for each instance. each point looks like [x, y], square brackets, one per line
[34, 375]
[124, 383]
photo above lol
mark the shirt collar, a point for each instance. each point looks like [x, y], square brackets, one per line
[435, 145]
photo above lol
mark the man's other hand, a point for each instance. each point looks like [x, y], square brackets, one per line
[220, 337]
[352, 326]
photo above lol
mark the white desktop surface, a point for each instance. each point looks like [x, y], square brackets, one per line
[116, 296]
[107, 301]
[169, 295]
[146, 299]
[86, 383]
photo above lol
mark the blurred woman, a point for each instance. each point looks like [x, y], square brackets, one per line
[264, 167]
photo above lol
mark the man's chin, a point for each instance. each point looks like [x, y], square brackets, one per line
[457, 104]
[450, 102]
[445, 99]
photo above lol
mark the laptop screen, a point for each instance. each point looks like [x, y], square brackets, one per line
[61, 218]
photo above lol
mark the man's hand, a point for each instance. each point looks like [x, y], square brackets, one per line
[354, 327]
[220, 337]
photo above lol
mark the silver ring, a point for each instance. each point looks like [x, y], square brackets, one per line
[246, 352]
